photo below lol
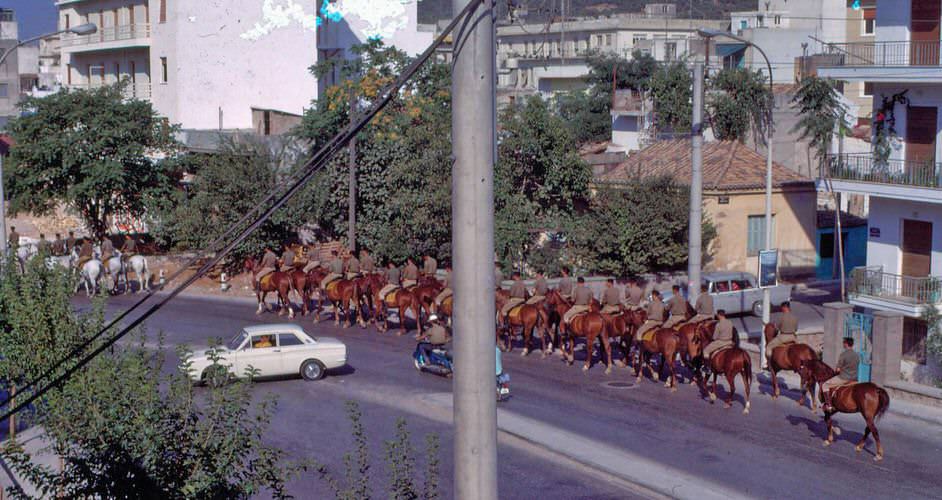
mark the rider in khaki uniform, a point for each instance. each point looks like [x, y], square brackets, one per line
[85, 253]
[352, 267]
[334, 269]
[43, 245]
[582, 299]
[678, 308]
[787, 326]
[722, 335]
[446, 290]
[611, 298]
[128, 248]
[107, 249]
[540, 288]
[14, 241]
[704, 306]
[367, 265]
[518, 295]
[429, 265]
[287, 259]
[635, 294]
[565, 284]
[58, 245]
[436, 337]
[267, 266]
[655, 315]
[392, 280]
[410, 274]
[847, 364]
[70, 242]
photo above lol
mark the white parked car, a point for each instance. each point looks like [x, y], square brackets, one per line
[736, 292]
[272, 350]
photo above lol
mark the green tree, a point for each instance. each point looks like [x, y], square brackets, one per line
[634, 228]
[586, 114]
[740, 102]
[539, 178]
[672, 93]
[92, 150]
[628, 73]
[820, 111]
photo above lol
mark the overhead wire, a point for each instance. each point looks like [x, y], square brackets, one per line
[317, 161]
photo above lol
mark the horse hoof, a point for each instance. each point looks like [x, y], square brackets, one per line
[826, 443]
[878, 458]
[712, 398]
[585, 368]
[608, 371]
[620, 364]
[859, 448]
[727, 405]
[667, 384]
[525, 352]
[745, 411]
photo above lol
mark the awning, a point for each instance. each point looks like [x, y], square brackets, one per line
[728, 49]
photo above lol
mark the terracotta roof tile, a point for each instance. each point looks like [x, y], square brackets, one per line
[727, 165]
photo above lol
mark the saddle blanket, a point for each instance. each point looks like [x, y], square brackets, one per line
[514, 313]
[649, 335]
[332, 286]
[265, 282]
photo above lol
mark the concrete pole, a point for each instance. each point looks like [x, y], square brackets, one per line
[694, 260]
[767, 292]
[3, 215]
[352, 170]
[474, 142]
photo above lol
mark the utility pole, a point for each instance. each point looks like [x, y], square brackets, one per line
[3, 215]
[474, 139]
[352, 172]
[694, 259]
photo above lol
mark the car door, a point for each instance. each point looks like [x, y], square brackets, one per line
[293, 352]
[724, 298]
[261, 353]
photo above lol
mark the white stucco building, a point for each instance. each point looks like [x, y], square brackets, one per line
[904, 251]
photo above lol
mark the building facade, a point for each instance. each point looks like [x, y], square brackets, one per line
[10, 69]
[901, 176]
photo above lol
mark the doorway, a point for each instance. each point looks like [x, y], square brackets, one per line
[924, 32]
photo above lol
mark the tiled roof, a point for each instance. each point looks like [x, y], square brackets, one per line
[727, 165]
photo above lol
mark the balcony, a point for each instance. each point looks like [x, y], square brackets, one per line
[880, 61]
[872, 287]
[860, 173]
[131, 91]
[110, 35]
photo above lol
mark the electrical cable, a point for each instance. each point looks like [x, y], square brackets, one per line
[313, 166]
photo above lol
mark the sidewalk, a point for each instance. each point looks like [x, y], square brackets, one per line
[34, 443]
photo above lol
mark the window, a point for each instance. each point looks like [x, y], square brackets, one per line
[598, 40]
[133, 72]
[608, 40]
[826, 250]
[117, 72]
[163, 70]
[670, 51]
[636, 39]
[4, 90]
[869, 22]
[867, 89]
[288, 339]
[163, 11]
[262, 341]
[778, 20]
[755, 234]
[743, 24]
[68, 74]
[68, 22]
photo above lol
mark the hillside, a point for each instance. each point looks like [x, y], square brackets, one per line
[432, 10]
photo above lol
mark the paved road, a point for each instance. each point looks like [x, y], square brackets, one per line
[773, 452]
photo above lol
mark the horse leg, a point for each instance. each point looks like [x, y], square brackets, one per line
[713, 389]
[527, 335]
[775, 389]
[402, 321]
[830, 436]
[731, 379]
[608, 353]
[672, 381]
[876, 437]
[260, 297]
[287, 299]
[746, 382]
[589, 351]
[863, 441]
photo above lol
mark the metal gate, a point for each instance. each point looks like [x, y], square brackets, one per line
[859, 326]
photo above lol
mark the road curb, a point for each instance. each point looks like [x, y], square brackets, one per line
[625, 465]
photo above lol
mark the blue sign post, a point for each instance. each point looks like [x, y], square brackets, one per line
[768, 268]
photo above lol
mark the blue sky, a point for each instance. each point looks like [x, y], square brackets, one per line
[35, 16]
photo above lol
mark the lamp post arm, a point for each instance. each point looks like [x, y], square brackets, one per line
[29, 40]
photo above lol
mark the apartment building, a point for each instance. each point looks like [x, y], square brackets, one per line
[903, 181]
[9, 70]
[204, 65]
[548, 58]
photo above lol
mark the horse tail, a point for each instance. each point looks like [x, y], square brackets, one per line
[884, 403]
[746, 366]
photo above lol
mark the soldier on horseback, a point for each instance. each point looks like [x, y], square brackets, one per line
[334, 268]
[410, 274]
[704, 306]
[392, 280]
[267, 266]
[635, 294]
[287, 259]
[352, 267]
[655, 316]
[787, 326]
[582, 299]
[678, 308]
[367, 265]
[129, 248]
[58, 246]
[70, 242]
[43, 246]
[85, 253]
[540, 287]
[846, 369]
[611, 298]
[565, 284]
[107, 250]
[446, 290]
[518, 295]
[722, 336]
[429, 265]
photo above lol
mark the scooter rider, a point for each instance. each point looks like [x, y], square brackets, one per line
[435, 337]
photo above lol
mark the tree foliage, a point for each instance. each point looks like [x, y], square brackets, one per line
[92, 150]
[821, 113]
[672, 92]
[740, 102]
[586, 114]
[635, 228]
[124, 425]
[606, 68]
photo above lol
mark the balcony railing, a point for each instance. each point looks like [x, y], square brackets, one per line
[863, 167]
[910, 53]
[109, 34]
[131, 91]
[873, 282]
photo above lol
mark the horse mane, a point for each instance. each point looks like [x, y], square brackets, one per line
[819, 370]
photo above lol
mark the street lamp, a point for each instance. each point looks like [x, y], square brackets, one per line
[766, 298]
[83, 29]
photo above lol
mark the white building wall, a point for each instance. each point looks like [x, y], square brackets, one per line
[887, 215]
[919, 95]
[893, 20]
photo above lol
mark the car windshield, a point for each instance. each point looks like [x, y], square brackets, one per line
[236, 341]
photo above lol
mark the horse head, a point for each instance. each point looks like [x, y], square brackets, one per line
[769, 331]
[248, 265]
[818, 370]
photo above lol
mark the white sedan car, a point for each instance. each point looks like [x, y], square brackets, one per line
[272, 350]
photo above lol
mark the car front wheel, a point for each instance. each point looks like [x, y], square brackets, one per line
[312, 369]
[757, 308]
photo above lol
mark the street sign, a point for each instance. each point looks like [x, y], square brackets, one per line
[768, 268]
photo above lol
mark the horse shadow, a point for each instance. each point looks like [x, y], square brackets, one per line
[819, 429]
[764, 383]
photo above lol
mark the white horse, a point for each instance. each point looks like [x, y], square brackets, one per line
[114, 268]
[138, 265]
[60, 261]
[25, 251]
[89, 275]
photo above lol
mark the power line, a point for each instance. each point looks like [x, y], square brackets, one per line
[313, 166]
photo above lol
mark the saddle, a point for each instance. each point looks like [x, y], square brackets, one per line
[649, 335]
[514, 313]
[265, 281]
[390, 297]
[332, 285]
[721, 349]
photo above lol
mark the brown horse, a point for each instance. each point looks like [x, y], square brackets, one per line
[866, 398]
[425, 293]
[369, 286]
[528, 317]
[590, 325]
[277, 282]
[729, 362]
[299, 285]
[665, 342]
[789, 357]
[343, 295]
[401, 299]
